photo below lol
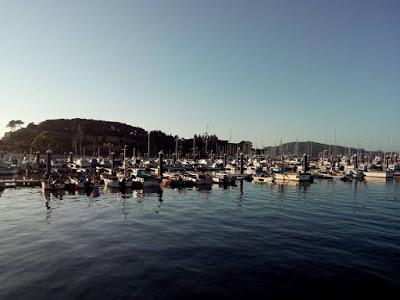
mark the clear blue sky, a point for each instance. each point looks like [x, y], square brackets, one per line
[264, 69]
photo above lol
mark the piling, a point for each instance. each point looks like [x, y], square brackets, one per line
[48, 163]
[305, 163]
[161, 163]
[241, 163]
[112, 161]
[355, 162]
[71, 157]
[38, 158]
[225, 159]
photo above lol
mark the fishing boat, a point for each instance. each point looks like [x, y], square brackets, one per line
[253, 170]
[83, 163]
[378, 174]
[263, 178]
[8, 168]
[297, 176]
[286, 173]
[141, 179]
[230, 168]
[173, 180]
[396, 170]
[355, 174]
[198, 179]
[223, 178]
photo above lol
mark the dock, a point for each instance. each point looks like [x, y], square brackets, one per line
[19, 182]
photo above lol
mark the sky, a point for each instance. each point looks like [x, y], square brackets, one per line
[253, 70]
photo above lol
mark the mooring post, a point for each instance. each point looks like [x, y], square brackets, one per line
[161, 163]
[356, 162]
[225, 159]
[112, 162]
[241, 163]
[71, 157]
[38, 158]
[48, 163]
[305, 163]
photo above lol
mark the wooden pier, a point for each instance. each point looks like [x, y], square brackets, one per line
[19, 182]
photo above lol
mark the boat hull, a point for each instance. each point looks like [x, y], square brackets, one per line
[292, 177]
[379, 174]
[258, 179]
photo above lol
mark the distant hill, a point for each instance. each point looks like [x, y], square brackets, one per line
[310, 148]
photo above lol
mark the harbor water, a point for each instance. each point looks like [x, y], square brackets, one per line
[325, 239]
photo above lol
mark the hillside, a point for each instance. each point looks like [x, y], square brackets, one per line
[86, 136]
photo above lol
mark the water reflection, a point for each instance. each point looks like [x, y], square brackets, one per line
[285, 186]
[51, 195]
[160, 201]
[396, 183]
[203, 188]
[378, 180]
[48, 194]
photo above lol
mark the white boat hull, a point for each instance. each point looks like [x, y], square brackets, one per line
[292, 177]
[259, 179]
[379, 174]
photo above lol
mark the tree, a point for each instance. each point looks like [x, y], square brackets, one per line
[41, 142]
[11, 125]
[19, 123]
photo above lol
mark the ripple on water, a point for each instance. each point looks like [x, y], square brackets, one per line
[276, 239]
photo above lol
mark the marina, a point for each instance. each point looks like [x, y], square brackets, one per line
[199, 150]
[113, 172]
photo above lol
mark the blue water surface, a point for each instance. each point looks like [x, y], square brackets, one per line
[326, 239]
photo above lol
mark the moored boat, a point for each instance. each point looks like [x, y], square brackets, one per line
[379, 174]
[263, 178]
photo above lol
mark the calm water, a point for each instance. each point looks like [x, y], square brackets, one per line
[324, 239]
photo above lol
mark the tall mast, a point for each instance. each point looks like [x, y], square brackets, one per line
[148, 145]
[194, 146]
[335, 146]
[125, 160]
[176, 146]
